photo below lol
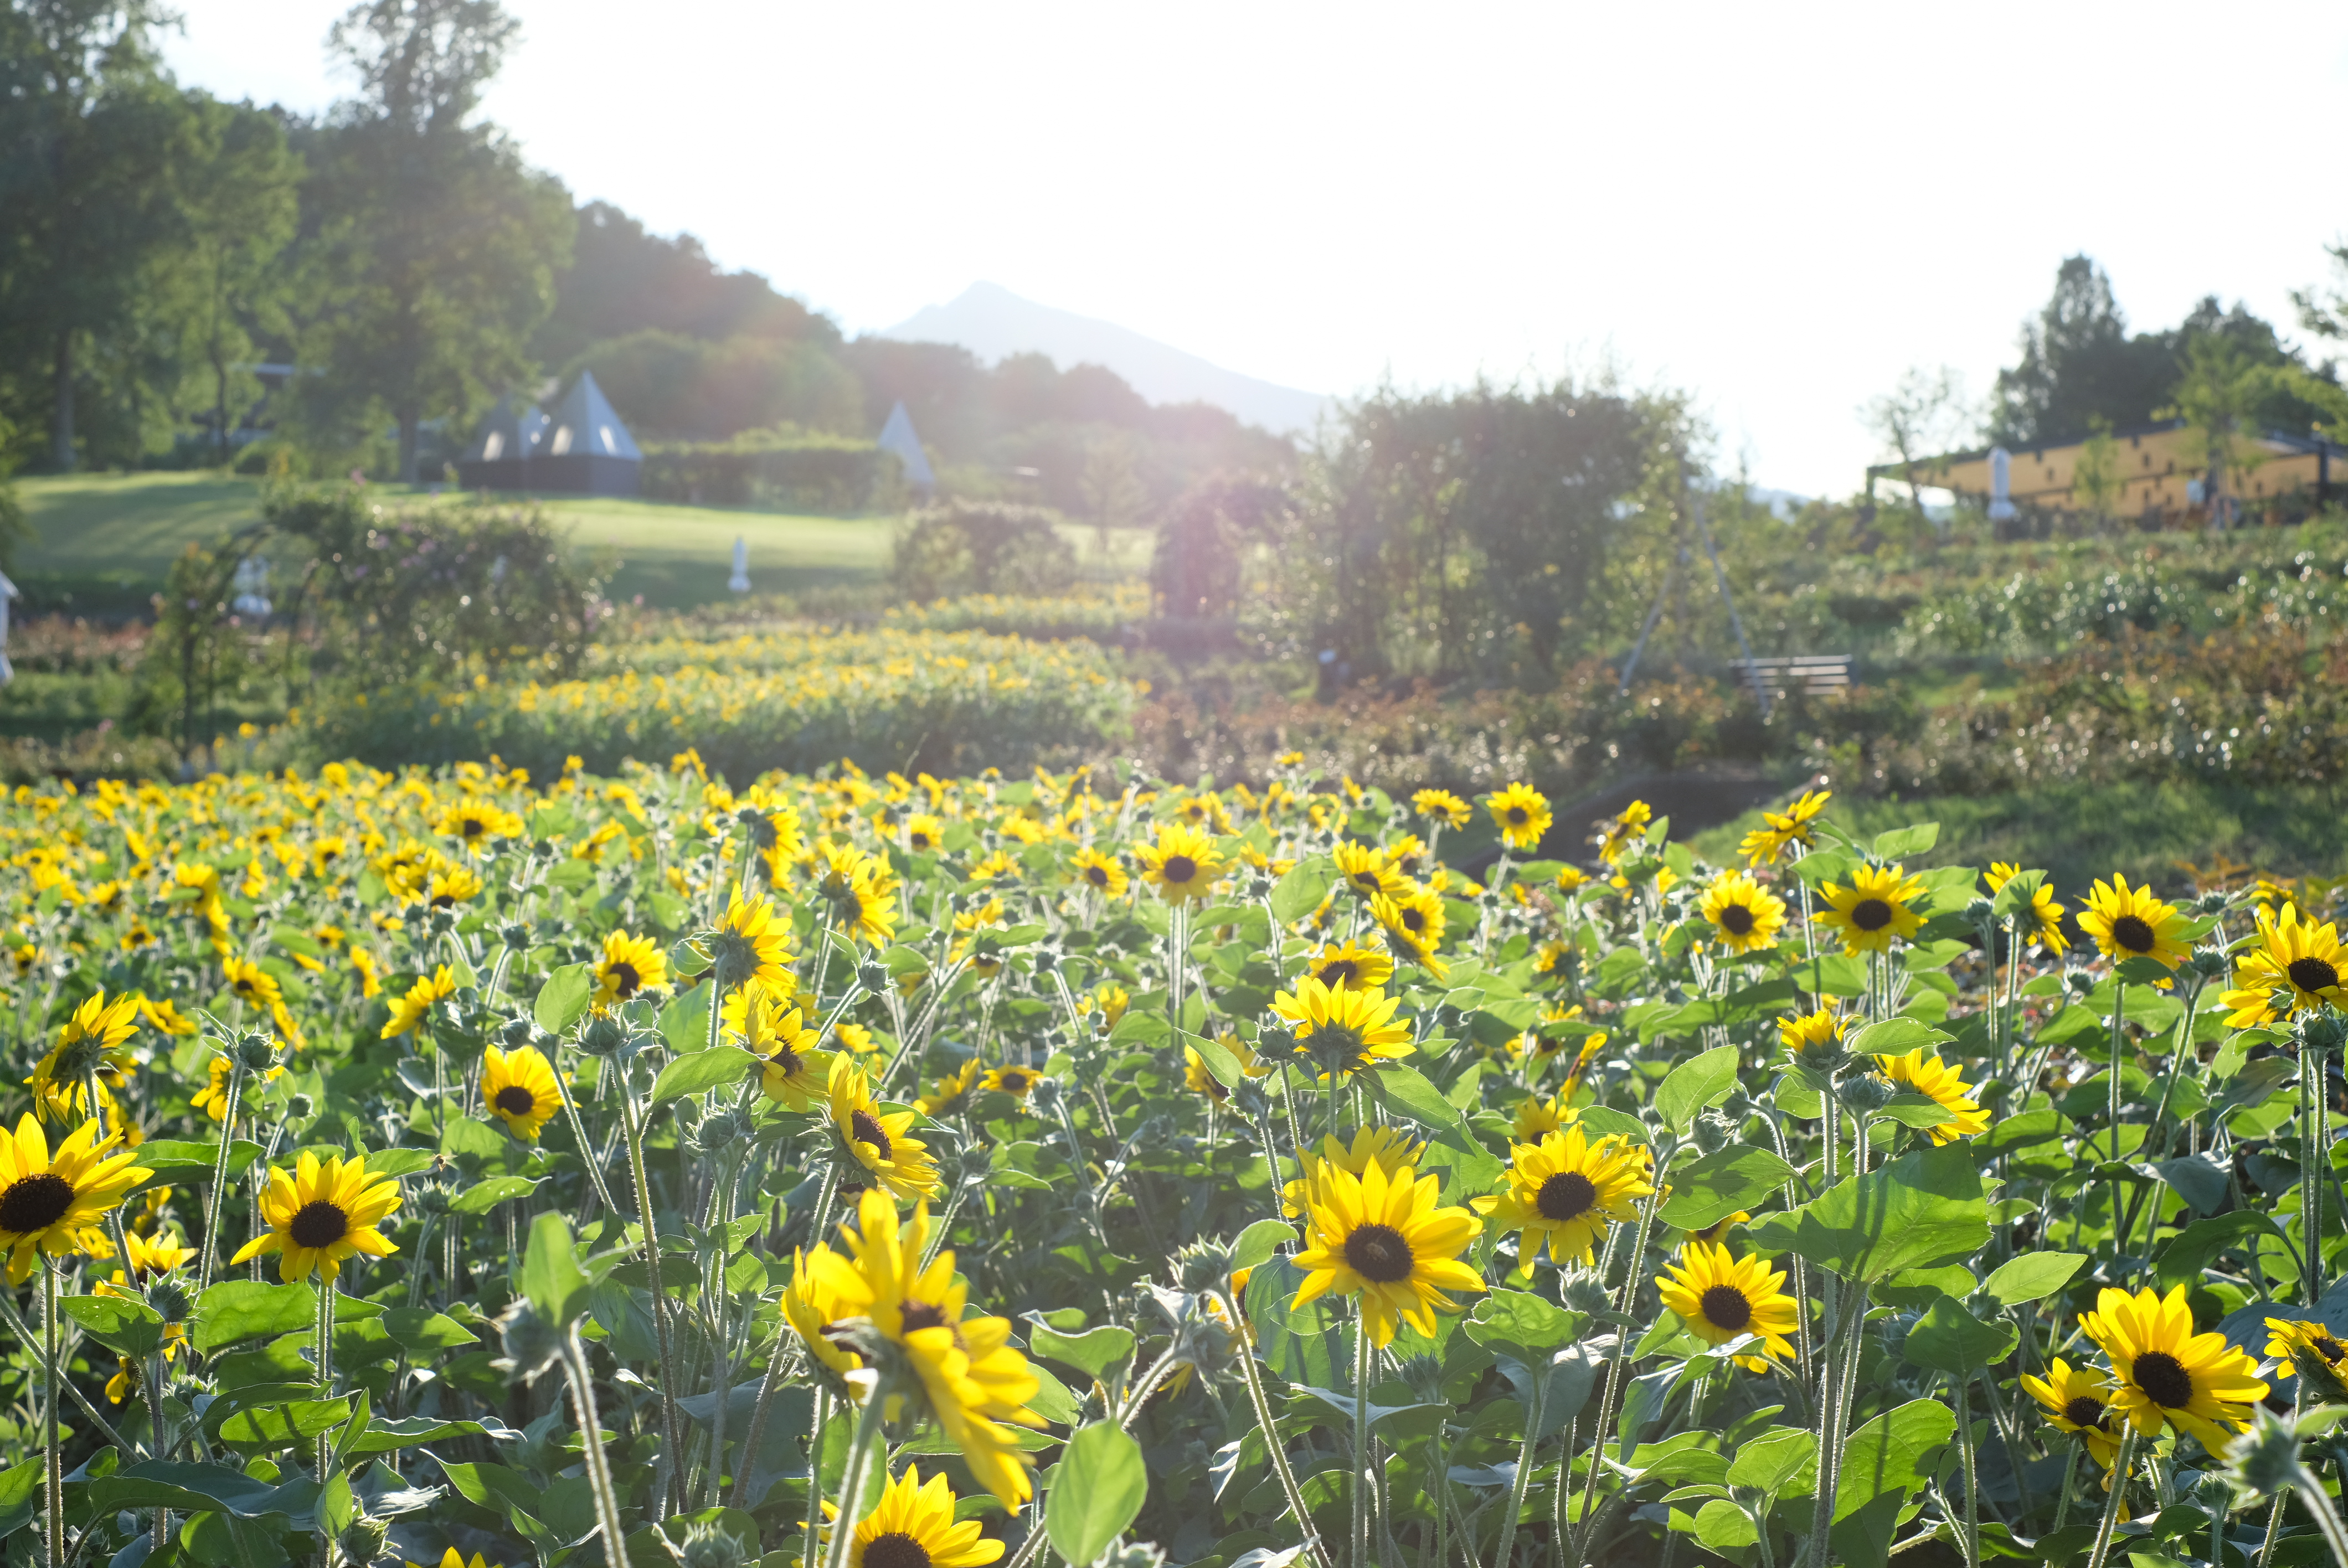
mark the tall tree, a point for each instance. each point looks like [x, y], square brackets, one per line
[2078, 362]
[1919, 418]
[241, 194]
[89, 128]
[441, 245]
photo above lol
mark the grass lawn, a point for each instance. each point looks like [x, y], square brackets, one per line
[2080, 833]
[109, 537]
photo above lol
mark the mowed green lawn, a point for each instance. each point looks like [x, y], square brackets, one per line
[124, 529]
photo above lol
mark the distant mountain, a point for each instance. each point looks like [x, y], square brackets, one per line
[993, 322]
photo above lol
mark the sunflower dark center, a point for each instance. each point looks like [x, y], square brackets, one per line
[1340, 972]
[920, 1315]
[473, 827]
[2164, 1379]
[34, 1202]
[1177, 868]
[1566, 1195]
[2084, 1411]
[895, 1549]
[1369, 879]
[920, 840]
[516, 1101]
[1725, 1307]
[1516, 815]
[2331, 1349]
[319, 1224]
[788, 1062]
[2313, 974]
[1737, 920]
[1096, 875]
[1414, 921]
[625, 982]
[865, 1128]
[1870, 914]
[1015, 1082]
[1379, 1254]
[2131, 932]
[443, 900]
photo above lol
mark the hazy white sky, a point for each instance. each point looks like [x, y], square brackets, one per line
[1778, 208]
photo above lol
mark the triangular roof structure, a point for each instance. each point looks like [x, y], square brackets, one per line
[513, 427]
[584, 422]
[897, 436]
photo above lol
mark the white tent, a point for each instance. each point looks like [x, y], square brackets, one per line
[897, 436]
[584, 422]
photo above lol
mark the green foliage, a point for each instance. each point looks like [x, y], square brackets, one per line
[970, 546]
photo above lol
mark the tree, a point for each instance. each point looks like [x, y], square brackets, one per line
[441, 244]
[2219, 394]
[2078, 362]
[2095, 480]
[90, 130]
[1925, 414]
[1114, 495]
[241, 195]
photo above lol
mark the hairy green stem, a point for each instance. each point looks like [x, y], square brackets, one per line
[1272, 1438]
[2127, 1456]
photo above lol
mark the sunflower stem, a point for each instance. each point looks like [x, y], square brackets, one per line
[53, 1475]
[1519, 1482]
[2120, 1463]
[1835, 1402]
[1272, 1438]
[851, 1474]
[597, 1463]
[672, 1455]
[578, 1133]
[2327, 1520]
[2311, 1181]
[229, 1097]
[1970, 1537]
[2070, 1474]
[1361, 1487]
[2120, 1093]
[814, 1472]
[1615, 1365]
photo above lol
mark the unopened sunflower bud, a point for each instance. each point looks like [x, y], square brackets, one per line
[1045, 959]
[1046, 1096]
[1583, 1291]
[1737, 1108]
[977, 1161]
[1980, 910]
[2214, 1494]
[1712, 1134]
[187, 1388]
[2265, 1459]
[434, 1198]
[2322, 1031]
[299, 1107]
[1203, 1266]
[531, 1342]
[170, 1298]
[1259, 886]
[442, 922]
[2211, 904]
[517, 1032]
[873, 976]
[712, 1546]
[2209, 963]
[515, 936]
[604, 1035]
[1867, 1093]
[257, 1051]
[1251, 1102]
[363, 1538]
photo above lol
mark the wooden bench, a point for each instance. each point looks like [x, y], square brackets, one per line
[1814, 674]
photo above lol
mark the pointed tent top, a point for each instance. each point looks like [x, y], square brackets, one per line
[512, 428]
[584, 422]
[897, 436]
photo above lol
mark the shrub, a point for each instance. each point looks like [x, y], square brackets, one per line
[982, 547]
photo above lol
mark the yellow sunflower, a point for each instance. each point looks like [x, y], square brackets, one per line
[1563, 1191]
[475, 822]
[1874, 911]
[751, 943]
[1344, 1031]
[1441, 806]
[518, 1088]
[1342, 964]
[1781, 830]
[411, 1009]
[2313, 1352]
[1748, 916]
[450, 887]
[914, 1526]
[796, 1071]
[1414, 926]
[2130, 923]
[971, 1377]
[1384, 1147]
[867, 911]
[1535, 1116]
[1367, 872]
[2294, 961]
[1181, 863]
[90, 1041]
[2040, 923]
[953, 1092]
[813, 1306]
[629, 965]
[2078, 1401]
[1522, 814]
[45, 1204]
[1097, 871]
[1383, 1241]
[1719, 1297]
[319, 1215]
[1617, 833]
[165, 1019]
[251, 983]
[1016, 1082]
[2196, 1383]
[883, 1142]
[924, 835]
[1932, 1077]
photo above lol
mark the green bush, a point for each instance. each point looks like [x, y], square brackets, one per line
[982, 547]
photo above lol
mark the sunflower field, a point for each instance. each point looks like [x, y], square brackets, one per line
[625, 1166]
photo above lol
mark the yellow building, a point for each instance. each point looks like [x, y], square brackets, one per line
[2159, 475]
